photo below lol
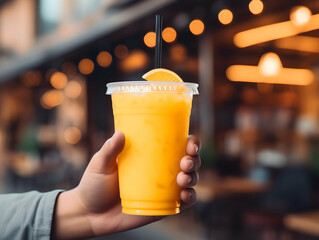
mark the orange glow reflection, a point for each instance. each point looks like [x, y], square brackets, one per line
[104, 59]
[196, 27]
[169, 34]
[150, 39]
[86, 66]
[58, 80]
[299, 43]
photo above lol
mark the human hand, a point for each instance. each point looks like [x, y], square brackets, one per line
[94, 207]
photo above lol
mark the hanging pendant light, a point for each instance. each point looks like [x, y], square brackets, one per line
[270, 64]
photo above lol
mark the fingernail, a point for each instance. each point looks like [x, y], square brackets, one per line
[196, 148]
[191, 164]
[189, 179]
[189, 195]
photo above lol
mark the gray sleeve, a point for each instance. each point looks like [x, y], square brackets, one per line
[27, 215]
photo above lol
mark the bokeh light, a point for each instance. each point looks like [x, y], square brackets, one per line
[58, 80]
[178, 52]
[121, 51]
[86, 66]
[72, 135]
[104, 59]
[69, 69]
[73, 89]
[300, 15]
[136, 60]
[49, 73]
[256, 7]
[265, 87]
[169, 34]
[225, 16]
[150, 39]
[31, 78]
[51, 98]
[196, 27]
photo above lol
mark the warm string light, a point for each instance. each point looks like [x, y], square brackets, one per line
[104, 59]
[256, 7]
[225, 16]
[150, 39]
[58, 80]
[196, 27]
[86, 66]
[169, 34]
[300, 15]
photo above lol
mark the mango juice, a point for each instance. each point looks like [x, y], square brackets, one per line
[155, 124]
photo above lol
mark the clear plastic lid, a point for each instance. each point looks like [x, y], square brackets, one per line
[151, 86]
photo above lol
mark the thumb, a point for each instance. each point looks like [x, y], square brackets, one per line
[104, 161]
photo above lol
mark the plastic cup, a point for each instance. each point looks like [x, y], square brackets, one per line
[154, 116]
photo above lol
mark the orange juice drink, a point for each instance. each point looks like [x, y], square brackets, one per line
[154, 116]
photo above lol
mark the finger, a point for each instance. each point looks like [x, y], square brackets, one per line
[188, 198]
[104, 161]
[187, 180]
[189, 164]
[192, 146]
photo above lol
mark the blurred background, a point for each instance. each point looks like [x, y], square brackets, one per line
[257, 63]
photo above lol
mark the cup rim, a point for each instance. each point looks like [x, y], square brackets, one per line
[149, 86]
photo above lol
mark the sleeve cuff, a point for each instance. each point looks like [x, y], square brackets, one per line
[44, 215]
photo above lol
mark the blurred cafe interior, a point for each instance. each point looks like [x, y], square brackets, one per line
[257, 115]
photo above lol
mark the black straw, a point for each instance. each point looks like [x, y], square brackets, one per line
[158, 46]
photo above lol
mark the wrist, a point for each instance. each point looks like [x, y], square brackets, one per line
[70, 219]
